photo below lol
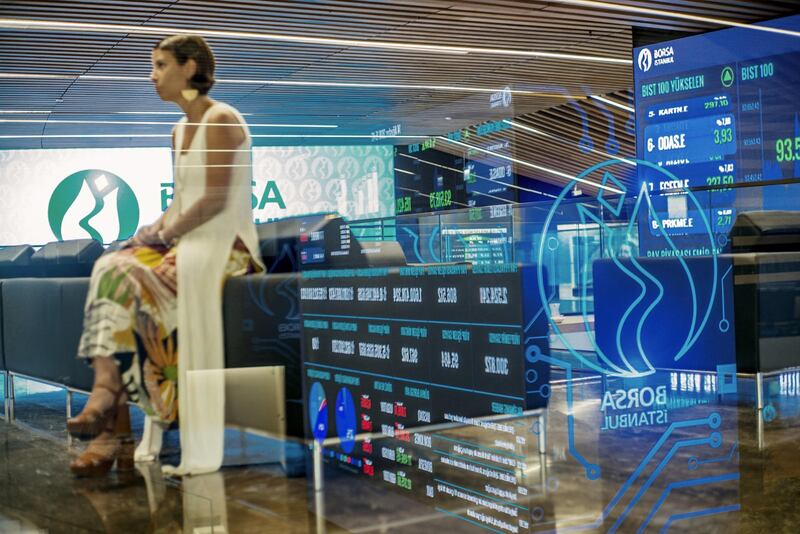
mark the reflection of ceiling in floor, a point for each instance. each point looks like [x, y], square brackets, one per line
[263, 73]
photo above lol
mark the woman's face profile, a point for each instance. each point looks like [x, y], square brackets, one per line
[168, 77]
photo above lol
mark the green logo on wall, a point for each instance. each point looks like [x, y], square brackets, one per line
[100, 184]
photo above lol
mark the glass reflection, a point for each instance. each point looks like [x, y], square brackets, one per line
[535, 293]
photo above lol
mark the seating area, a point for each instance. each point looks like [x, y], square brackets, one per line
[43, 292]
[42, 295]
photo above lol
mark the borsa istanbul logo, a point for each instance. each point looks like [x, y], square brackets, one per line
[659, 56]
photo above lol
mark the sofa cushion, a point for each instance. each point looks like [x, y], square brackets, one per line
[67, 258]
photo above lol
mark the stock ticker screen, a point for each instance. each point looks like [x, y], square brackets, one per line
[464, 202]
[715, 110]
[430, 179]
[427, 362]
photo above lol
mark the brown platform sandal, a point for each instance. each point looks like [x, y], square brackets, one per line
[114, 445]
[90, 423]
[95, 464]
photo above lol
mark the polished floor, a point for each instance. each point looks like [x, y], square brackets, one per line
[39, 494]
[713, 464]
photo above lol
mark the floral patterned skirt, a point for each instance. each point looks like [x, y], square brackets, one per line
[131, 315]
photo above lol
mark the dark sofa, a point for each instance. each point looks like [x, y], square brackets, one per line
[41, 320]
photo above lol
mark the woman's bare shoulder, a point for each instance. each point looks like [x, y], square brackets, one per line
[220, 137]
[223, 113]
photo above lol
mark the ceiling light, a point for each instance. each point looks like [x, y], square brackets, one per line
[673, 14]
[69, 136]
[266, 136]
[149, 112]
[455, 88]
[613, 103]
[338, 136]
[41, 112]
[159, 113]
[291, 83]
[37, 76]
[327, 41]
[159, 123]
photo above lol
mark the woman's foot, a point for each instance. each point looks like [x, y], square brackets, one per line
[106, 397]
[98, 413]
[114, 444]
[101, 455]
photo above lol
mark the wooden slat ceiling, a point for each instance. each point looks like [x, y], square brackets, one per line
[562, 26]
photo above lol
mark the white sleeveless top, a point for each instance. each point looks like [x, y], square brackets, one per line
[202, 255]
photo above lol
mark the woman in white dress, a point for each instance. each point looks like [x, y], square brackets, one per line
[153, 318]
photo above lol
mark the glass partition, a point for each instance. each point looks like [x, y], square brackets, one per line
[528, 266]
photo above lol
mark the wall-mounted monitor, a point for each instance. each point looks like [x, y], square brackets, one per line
[716, 110]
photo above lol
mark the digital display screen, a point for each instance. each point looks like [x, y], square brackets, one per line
[430, 180]
[714, 110]
[479, 184]
[324, 240]
[388, 353]
[478, 235]
[489, 175]
[475, 235]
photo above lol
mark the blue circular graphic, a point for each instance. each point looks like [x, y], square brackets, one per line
[714, 420]
[346, 420]
[533, 353]
[636, 337]
[318, 411]
[531, 376]
[769, 413]
[593, 472]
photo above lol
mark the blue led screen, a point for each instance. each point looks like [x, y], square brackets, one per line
[715, 110]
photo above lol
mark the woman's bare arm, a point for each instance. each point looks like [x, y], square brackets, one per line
[221, 142]
[148, 234]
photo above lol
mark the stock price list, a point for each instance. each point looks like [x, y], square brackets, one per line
[433, 358]
[727, 115]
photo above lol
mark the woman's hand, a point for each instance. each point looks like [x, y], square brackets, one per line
[147, 235]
